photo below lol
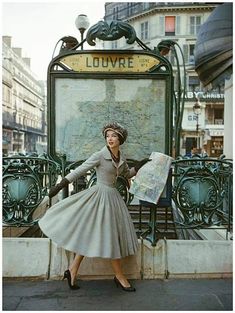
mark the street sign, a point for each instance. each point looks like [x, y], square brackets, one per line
[115, 63]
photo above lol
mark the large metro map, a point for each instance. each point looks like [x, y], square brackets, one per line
[84, 106]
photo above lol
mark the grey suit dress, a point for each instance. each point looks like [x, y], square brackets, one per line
[94, 222]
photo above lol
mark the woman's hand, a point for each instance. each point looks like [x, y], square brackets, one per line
[139, 164]
[55, 189]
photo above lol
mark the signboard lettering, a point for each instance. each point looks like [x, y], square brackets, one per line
[103, 62]
[92, 62]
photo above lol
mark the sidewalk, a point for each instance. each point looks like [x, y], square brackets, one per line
[96, 295]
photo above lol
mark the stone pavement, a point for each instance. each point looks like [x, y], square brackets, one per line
[103, 295]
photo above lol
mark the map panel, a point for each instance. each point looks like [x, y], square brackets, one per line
[84, 106]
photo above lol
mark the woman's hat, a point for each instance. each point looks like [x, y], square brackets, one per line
[117, 128]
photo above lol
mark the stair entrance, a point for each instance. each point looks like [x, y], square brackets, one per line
[153, 224]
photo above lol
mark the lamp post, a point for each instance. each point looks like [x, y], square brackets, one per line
[197, 112]
[82, 23]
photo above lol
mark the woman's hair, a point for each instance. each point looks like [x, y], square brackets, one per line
[118, 129]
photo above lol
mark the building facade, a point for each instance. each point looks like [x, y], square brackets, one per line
[23, 103]
[180, 22]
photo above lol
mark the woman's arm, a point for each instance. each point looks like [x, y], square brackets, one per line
[128, 172]
[90, 163]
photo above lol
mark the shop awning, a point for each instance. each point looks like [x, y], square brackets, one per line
[213, 49]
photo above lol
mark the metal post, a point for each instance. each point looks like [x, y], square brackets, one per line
[197, 127]
[197, 111]
[65, 191]
[82, 35]
[18, 140]
[152, 236]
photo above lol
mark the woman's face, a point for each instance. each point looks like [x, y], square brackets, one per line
[112, 139]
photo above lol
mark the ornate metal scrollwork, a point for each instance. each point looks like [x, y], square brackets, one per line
[25, 184]
[117, 29]
[200, 188]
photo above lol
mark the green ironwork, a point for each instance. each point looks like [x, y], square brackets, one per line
[151, 234]
[108, 32]
[25, 182]
[202, 192]
[179, 93]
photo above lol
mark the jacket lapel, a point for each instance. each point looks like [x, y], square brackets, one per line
[107, 156]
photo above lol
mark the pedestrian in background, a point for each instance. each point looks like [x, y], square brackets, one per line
[192, 152]
[95, 222]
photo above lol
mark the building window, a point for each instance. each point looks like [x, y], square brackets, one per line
[144, 28]
[191, 54]
[130, 8]
[195, 23]
[193, 83]
[146, 5]
[170, 25]
[114, 44]
[218, 116]
[188, 51]
[115, 13]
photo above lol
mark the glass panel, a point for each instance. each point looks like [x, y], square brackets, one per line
[192, 25]
[144, 30]
[194, 80]
[91, 103]
[198, 20]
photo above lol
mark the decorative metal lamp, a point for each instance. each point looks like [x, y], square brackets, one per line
[82, 23]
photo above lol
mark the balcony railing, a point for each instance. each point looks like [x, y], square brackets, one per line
[9, 122]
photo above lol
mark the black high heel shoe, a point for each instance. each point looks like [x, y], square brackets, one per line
[117, 282]
[67, 275]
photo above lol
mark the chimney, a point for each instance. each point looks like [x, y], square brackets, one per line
[7, 40]
[27, 61]
[18, 51]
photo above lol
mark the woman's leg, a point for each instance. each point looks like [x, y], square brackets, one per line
[116, 264]
[75, 266]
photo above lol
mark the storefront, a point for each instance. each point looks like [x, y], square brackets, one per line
[216, 143]
[214, 146]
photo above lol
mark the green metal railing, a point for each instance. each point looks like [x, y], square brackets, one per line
[201, 191]
[25, 183]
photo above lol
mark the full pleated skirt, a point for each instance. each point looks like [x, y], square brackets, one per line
[94, 222]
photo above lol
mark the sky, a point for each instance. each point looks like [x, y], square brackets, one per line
[36, 26]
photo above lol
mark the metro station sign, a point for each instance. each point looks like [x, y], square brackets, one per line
[90, 87]
[113, 63]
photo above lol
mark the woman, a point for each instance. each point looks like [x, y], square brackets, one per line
[95, 222]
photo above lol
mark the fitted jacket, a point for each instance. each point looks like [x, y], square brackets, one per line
[106, 169]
